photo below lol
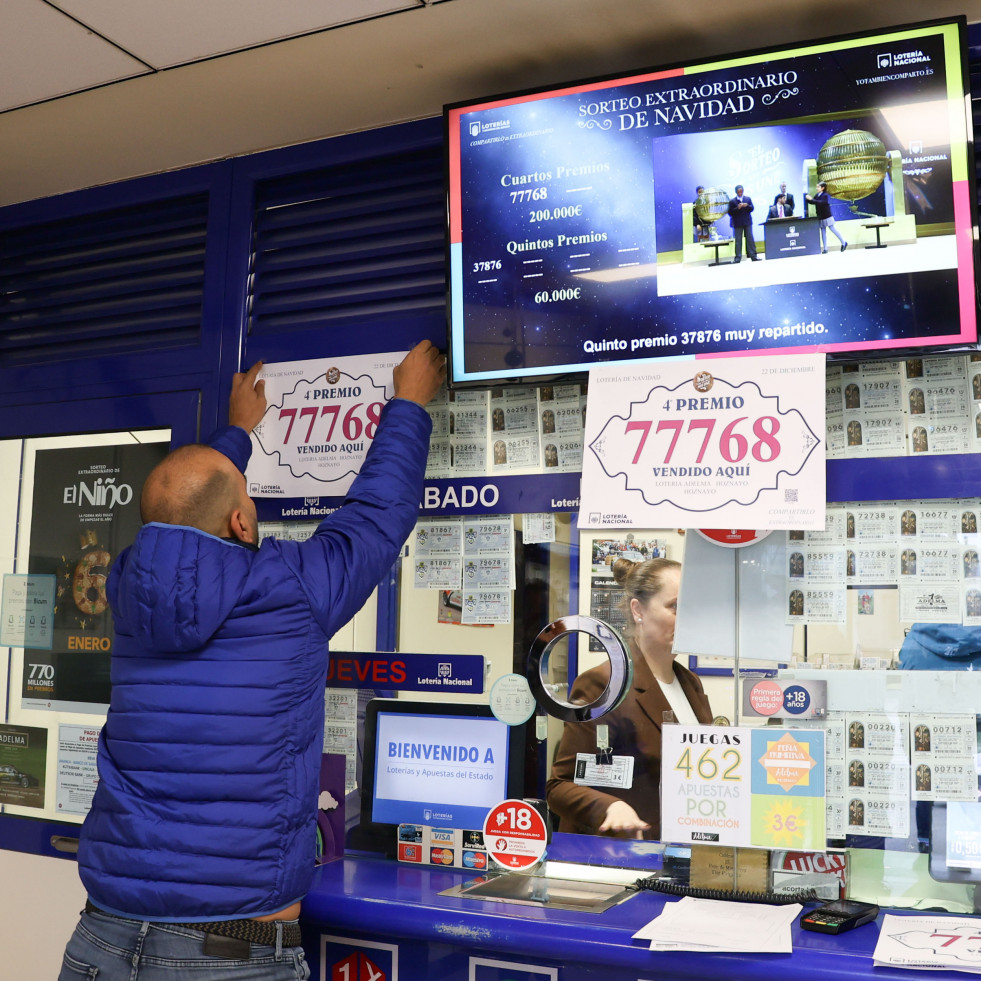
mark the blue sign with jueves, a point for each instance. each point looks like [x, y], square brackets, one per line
[407, 672]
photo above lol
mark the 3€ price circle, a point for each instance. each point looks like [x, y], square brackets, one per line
[515, 834]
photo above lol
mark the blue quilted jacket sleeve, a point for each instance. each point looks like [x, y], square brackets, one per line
[235, 443]
[354, 547]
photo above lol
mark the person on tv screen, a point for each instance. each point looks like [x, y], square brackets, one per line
[788, 198]
[822, 208]
[780, 208]
[741, 219]
[700, 229]
[650, 605]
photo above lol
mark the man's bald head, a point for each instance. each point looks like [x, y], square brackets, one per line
[195, 486]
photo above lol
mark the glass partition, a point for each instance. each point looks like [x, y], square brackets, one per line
[881, 610]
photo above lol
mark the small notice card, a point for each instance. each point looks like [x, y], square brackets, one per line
[938, 943]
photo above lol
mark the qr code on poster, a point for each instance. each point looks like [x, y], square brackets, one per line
[790, 495]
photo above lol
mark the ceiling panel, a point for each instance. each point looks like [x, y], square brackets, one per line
[44, 54]
[180, 31]
[369, 74]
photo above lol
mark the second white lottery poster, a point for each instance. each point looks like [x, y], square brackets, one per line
[716, 443]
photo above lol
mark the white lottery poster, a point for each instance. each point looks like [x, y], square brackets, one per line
[319, 424]
[718, 443]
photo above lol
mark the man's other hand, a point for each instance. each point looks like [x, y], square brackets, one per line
[420, 374]
[247, 404]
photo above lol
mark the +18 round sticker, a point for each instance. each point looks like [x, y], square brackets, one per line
[515, 835]
[770, 698]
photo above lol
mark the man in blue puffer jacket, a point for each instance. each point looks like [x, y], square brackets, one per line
[201, 838]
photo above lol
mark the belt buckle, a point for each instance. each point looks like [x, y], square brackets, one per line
[230, 948]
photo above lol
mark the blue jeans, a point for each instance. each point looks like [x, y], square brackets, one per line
[110, 948]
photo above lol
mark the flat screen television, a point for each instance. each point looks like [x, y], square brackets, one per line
[572, 210]
[442, 764]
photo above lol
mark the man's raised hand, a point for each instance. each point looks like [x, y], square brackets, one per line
[420, 374]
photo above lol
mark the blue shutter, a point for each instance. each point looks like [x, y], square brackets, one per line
[359, 242]
[116, 281]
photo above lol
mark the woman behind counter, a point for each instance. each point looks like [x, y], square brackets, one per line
[659, 685]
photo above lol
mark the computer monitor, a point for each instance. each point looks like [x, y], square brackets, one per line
[443, 764]
[955, 847]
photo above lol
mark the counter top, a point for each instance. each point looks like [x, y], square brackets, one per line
[376, 896]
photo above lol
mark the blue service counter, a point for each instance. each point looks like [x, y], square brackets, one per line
[373, 919]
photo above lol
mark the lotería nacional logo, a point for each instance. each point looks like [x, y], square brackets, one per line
[900, 59]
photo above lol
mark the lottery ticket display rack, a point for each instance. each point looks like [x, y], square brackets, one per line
[377, 920]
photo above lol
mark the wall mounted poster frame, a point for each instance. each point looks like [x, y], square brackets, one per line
[85, 510]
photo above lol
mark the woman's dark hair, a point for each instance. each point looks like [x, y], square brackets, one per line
[641, 580]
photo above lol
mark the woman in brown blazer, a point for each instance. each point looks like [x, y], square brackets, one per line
[651, 603]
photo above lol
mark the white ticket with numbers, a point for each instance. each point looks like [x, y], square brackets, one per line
[619, 772]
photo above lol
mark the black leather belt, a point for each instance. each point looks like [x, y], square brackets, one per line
[227, 932]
